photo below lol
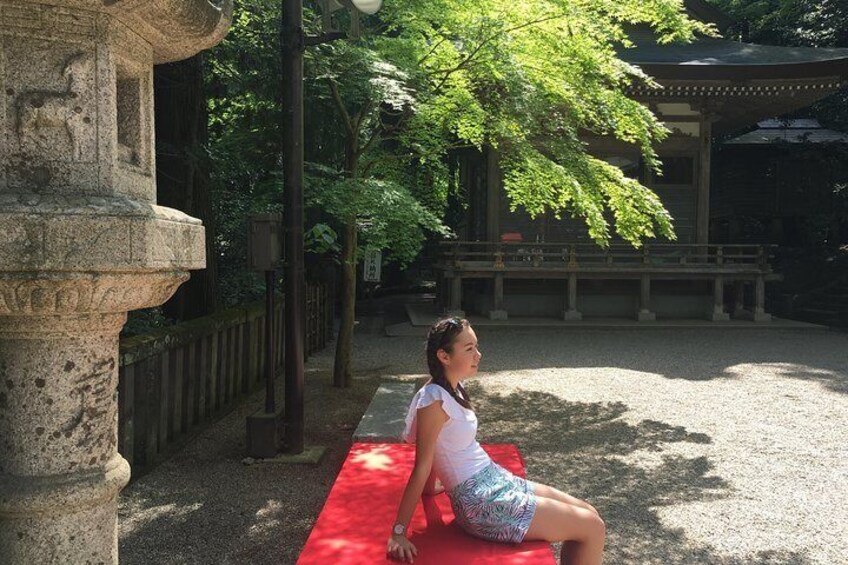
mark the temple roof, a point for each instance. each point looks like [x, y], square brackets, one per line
[717, 59]
[735, 83]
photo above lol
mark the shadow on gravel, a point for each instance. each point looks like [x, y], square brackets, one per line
[203, 506]
[690, 354]
[578, 448]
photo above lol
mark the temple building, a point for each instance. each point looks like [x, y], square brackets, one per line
[506, 264]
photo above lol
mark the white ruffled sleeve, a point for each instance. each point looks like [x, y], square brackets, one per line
[428, 394]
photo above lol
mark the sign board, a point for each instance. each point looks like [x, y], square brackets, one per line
[265, 244]
[371, 267]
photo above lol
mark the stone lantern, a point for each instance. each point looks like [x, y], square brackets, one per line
[82, 242]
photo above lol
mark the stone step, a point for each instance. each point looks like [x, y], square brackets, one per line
[385, 418]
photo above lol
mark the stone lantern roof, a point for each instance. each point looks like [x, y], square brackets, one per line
[176, 29]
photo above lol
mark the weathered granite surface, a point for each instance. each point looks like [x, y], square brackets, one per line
[83, 242]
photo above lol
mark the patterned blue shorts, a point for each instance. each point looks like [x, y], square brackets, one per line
[494, 504]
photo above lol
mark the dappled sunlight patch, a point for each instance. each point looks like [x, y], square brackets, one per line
[774, 371]
[172, 512]
[375, 460]
[778, 369]
[576, 383]
[271, 507]
[268, 518]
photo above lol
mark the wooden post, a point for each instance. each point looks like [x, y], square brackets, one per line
[499, 313]
[202, 381]
[220, 358]
[126, 408]
[179, 375]
[232, 353]
[165, 380]
[739, 299]
[193, 392]
[259, 375]
[702, 229]
[211, 372]
[645, 314]
[241, 357]
[152, 400]
[718, 314]
[291, 54]
[760, 301]
[456, 296]
[570, 313]
[493, 193]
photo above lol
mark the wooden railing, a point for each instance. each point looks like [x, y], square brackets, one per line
[176, 379]
[513, 255]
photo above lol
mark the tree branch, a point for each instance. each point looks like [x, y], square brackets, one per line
[433, 50]
[462, 64]
[334, 88]
[360, 116]
[394, 157]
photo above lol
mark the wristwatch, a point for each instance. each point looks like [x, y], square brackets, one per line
[399, 529]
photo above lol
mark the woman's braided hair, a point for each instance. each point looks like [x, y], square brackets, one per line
[441, 336]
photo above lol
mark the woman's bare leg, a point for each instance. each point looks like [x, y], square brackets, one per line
[559, 521]
[556, 494]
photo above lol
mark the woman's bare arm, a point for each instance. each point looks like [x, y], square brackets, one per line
[429, 423]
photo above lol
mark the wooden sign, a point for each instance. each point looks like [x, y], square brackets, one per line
[371, 267]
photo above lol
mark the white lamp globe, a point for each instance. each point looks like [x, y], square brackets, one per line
[369, 7]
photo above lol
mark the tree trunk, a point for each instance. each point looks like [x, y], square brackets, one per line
[344, 343]
[182, 173]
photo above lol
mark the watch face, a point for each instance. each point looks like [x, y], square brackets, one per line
[399, 529]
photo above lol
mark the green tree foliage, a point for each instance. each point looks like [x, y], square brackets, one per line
[813, 23]
[244, 139]
[527, 78]
[365, 181]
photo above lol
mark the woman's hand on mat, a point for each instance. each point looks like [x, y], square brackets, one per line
[401, 548]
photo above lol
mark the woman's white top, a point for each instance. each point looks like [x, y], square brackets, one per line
[458, 455]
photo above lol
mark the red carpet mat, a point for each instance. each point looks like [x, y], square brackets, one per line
[357, 518]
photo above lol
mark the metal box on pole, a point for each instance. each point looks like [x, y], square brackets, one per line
[265, 427]
[265, 248]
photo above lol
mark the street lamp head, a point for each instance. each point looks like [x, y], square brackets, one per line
[369, 7]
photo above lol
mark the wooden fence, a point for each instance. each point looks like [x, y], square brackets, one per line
[176, 379]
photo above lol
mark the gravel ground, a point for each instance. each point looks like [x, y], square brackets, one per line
[697, 446]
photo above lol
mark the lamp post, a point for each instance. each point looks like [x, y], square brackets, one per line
[293, 42]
